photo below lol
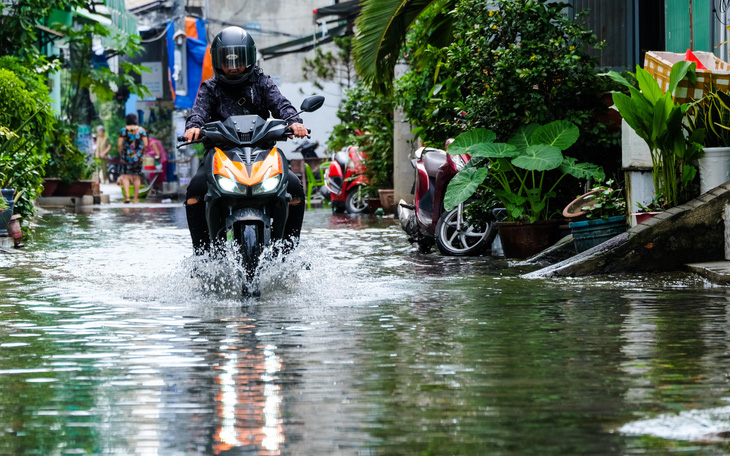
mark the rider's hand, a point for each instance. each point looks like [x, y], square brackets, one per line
[191, 134]
[299, 130]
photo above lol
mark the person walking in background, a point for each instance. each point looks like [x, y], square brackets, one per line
[131, 145]
[101, 149]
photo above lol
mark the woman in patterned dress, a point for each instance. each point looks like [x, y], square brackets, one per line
[131, 145]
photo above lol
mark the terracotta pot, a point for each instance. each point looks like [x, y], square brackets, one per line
[14, 230]
[387, 200]
[50, 184]
[373, 204]
[522, 240]
[574, 209]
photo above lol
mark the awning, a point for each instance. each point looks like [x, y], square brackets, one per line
[344, 13]
[342, 10]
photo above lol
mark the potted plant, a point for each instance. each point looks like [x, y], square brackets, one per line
[648, 210]
[604, 208]
[523, 174]
[69, 164]
[711, 114]
[659, 121]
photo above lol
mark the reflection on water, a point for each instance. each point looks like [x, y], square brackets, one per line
[359, 345]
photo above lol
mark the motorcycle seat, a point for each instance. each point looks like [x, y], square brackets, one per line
[432, 160]
[342, 158]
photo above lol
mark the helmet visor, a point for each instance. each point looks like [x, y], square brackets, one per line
[234, 57]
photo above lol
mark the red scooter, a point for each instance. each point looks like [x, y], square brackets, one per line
[345, 181]
[426, 222]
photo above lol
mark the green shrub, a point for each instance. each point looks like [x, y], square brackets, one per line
[27, 123]
[524, 61]
[371, 114]
[66, 161]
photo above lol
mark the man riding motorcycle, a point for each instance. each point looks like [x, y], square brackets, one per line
[239, 87]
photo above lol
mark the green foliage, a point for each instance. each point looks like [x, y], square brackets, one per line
[83, 75]
[26, 128]
[605, 202]
[659, 121]
[431, 98]
[328, 66]
[371, 114]
[18, 20]
[712, 114]
[66, 160]
[432, 104]
[524, 171]
[518, 62]
[382, 27]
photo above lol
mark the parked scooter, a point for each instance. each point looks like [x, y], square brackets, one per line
[247, 204]
[345, 181]
[426, 222]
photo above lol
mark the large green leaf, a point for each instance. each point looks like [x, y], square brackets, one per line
[523, 136]
[560, 133]
[492, 150]
[662, 109]
[467, 142]
[463, 186]
[648, 85]
[540, 157]
[617, 78]
[630, 113]
[582, 170]
[680, 70]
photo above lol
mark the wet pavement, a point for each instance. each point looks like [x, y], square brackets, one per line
[359, 345]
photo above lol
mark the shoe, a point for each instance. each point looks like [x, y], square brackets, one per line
[126, 201]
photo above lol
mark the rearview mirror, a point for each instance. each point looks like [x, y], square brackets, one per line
[312, 103]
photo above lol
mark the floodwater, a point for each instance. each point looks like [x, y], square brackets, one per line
[359, 345]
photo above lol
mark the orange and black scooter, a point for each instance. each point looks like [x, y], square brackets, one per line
[247, 204]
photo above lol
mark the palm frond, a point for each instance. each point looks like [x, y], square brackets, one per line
[381, 31]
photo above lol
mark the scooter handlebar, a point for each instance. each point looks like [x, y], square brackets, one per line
[289, 132]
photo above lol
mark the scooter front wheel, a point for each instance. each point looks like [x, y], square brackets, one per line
[455, 237]
[355, 202]
[251, 248]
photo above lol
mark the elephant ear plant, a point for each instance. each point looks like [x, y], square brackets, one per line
[524, 172]
[659, 121]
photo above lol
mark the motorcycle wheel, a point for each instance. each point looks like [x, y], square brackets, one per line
[467, 241]
[355, 202]
[251, 248]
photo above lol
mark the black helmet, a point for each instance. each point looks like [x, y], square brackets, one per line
[233, 48]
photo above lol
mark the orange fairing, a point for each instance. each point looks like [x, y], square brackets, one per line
[224, 166]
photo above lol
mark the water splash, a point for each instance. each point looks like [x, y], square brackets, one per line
[693, 425]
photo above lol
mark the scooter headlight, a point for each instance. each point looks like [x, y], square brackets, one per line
[268, 184]
[229, 185]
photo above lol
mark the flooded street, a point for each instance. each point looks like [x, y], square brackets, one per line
[359, 345]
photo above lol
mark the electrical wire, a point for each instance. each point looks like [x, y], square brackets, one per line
[150, 40]
[720, 9]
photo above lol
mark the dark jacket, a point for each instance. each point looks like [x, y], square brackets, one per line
[259, 95]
